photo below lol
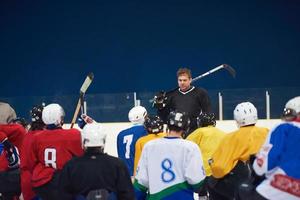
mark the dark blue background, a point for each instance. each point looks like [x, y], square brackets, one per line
[48, 47]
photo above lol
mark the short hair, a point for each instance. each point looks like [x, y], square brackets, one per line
[182, 71]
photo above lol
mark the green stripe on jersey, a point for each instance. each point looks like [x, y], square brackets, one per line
[173, 189]
[139, 186]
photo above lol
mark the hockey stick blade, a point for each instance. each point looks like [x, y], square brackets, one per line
[223, 66]
[88, 80]
[230, 70]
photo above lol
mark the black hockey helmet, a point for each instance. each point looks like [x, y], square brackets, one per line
[36, 117]
[178, 120]
[36, 113]
[153, 124]
[206, 119]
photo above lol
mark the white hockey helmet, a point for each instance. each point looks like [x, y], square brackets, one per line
[137, 115]
[294, 104]
[53, 114]
[245, 114]
[7, 113]
[93, 135]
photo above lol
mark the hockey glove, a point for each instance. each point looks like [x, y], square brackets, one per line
[83, 120]
[12, 154]
[160, 100]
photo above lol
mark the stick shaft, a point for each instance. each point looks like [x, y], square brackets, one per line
[207, 73]
[76, 113]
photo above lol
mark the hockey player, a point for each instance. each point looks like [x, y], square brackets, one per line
[154, 126]
[51, 149]
[127, 138]
[279, 158]
[230, 161]
[11, 136]
[207, 137]
[36, 126]
[170, 167]
[96, 172]
[186, 98]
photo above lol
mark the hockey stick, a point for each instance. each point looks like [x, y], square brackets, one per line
[223, 66]
[88, 80]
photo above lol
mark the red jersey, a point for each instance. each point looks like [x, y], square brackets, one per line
[26, 166]
[51, 149]
[15, 134]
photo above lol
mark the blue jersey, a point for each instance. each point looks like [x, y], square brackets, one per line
[126, 145]
[279, 160]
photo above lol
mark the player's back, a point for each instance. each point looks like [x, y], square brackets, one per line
[237, 146]
[279, 160]
[208, 139]
[126, 144]
[96, 171]
[173, 167]
[284, 153]
[53, 148]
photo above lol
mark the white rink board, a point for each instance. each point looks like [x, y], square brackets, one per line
[113, 130]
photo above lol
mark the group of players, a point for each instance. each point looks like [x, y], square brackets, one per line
[49, 162]
[249, 163]
[156, 161]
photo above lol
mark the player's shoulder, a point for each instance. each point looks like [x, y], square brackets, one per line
[70, 131]
[200, 90]
[262, 129]
[189, 144]
[125, 132]
[153, 143]
[285, 127]
[12, 128]
[58, 132]
[111, 160]
[61, 131]
[142, 139]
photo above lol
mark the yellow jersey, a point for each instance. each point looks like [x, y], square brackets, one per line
[235, 146]
[208, 139]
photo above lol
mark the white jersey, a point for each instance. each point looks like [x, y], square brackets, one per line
[169, 168]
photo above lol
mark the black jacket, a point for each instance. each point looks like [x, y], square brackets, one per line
[96, 171]
[192, 102]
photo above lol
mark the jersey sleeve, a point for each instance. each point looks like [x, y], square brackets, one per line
[194, 171]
